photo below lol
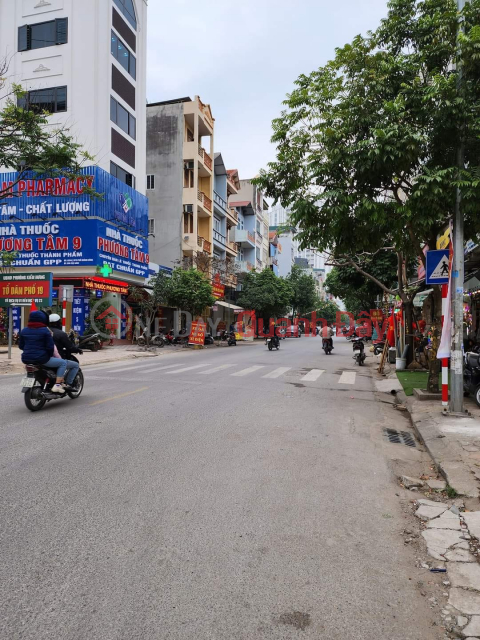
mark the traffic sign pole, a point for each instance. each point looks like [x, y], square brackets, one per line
[444, 360]
[10, 332]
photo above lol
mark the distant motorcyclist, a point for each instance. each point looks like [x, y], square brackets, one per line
[327, 334]
[63, 343]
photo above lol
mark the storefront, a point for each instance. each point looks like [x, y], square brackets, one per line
[96, 247]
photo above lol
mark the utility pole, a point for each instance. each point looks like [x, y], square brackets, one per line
[456, 389]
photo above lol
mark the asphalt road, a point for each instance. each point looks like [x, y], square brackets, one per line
[228, 494]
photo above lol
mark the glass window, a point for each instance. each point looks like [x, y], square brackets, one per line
[128, 10]
[121, 117]
[150, 182]
[125, 57]
[151, 226]
[44, 35]
[217, 224]
[52, 100]
[122, 175]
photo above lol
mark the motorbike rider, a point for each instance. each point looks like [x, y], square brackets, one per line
[36, 342]
[327, 334]
[65, 347]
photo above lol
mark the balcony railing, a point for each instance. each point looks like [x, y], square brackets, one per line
[207, 246]
[200, 241]
[205, 113]
[219, 237]
[259, 264]
[232, 185]
[232, 246]
[207, 160]
[245, 265]
[251, 236]
[220, 201]
[205, 200]
[274, 261]
[233, 213]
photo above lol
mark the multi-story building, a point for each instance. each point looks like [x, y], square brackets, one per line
[180, 179]
[275, 249]
[287, 246]
[85, 63]
[252, 230]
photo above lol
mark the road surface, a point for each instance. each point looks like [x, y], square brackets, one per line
[226, 494]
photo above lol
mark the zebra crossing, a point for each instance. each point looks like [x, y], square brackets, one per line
[208, 369]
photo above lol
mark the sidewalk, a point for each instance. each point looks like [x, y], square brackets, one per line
[453, 443]
[107, 354]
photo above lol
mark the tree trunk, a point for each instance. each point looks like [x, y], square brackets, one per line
[433, 365]
[409, 339]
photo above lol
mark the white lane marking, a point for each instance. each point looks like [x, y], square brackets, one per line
[122, 365]
[245, 372]
[197, 366]
[347, 377]
[313, 375]
[215, 369]
[276, 373]
[143, 367]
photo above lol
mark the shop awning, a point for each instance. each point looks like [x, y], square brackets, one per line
[229, 306]
[420, 297]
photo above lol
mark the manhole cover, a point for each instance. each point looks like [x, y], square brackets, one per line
[400, 437]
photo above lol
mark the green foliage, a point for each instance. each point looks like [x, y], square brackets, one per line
[7, 258]
[189, 290]
[266, 294]
[327, 310]
[366, 145]
[357, 292]
[304, 293]
[27, 141]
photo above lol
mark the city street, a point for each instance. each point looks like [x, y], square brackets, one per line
[227, 494]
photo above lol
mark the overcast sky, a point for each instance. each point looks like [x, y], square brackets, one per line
[243, 57]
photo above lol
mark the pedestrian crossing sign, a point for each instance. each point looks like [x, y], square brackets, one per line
[437, 271]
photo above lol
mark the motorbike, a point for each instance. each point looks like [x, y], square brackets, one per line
[378, 348]
[229, 337]
[158, 340]
[93, 342]
[327, 346]
[272, 342]
[471, 375]
[208, 339]
[359, 354]
[37, 384]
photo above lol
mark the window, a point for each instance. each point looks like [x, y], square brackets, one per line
[53, 100]
[43, 34]
[259, 228]
[151, 182]
[188, 176]
[128, 10]
[258, 254]
[241, 223]
[122, 175]
[240, 253]
[121, 117]
[151, 227]
[188, 222]
[217, 224]
[124, 56]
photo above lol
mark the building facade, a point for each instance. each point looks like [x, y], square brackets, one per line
[180, 179]
[85, 63]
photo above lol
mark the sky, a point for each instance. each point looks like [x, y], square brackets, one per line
[243, 57]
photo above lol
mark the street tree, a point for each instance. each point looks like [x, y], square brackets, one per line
[304, 291]
[367, 144]
[327, 310]
[190, 290]
[266, 294]
[150, 298]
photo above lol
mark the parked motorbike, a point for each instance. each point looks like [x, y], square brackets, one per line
[229, 337]
[327, 346]
[37, 385]
[359, 354]
[158, 340]
[93, 342]
[208, 339]
[471, 375]
[378, 348]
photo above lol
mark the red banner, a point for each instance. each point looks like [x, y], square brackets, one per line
[376, 315]
[218, 289]
[197, 333]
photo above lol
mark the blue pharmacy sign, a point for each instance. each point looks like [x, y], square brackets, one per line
[437, 271]
[52, 222]
[80, 310]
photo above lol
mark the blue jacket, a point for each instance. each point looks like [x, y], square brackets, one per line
[36, 344]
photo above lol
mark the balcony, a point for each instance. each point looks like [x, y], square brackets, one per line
[205, 158]
[273, 261]
[218, 237]
[243, 237]
[232, 216]
[232, 248]
[221, 203]
[259, 265]
[231, 188]
[206, 113]
[205, 201]
[204, 244]
[245, 265]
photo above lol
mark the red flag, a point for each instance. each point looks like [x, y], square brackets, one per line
[33, 307]
[391, 329]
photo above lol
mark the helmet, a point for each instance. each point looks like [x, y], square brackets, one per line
[54, 317]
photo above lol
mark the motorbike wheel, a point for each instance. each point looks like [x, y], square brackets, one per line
[94, 346]
[270, 348]
[33, 398]
[78, 385]
[477, 395]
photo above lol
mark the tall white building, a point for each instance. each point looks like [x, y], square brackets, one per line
[84, 61]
